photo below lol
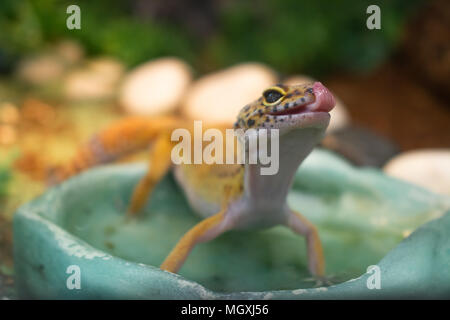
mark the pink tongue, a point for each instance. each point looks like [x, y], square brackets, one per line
[324, 99]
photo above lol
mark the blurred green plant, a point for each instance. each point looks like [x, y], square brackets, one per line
[5, 176]
[314, 37]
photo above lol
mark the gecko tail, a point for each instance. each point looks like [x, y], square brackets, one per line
[88, 156]
[118, 140]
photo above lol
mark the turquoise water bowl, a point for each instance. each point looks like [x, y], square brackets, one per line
[75, 242]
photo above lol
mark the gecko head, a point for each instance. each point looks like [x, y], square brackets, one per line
[287, 107]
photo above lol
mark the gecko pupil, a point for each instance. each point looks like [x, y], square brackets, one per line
[272, 95]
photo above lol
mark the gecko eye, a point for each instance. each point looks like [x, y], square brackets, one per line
[272, 96]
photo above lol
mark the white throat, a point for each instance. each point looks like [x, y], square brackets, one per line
[270, 191]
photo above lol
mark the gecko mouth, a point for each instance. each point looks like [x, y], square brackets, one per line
[295, 109]
[320, 101]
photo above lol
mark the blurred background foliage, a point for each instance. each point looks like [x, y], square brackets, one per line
[314, 37]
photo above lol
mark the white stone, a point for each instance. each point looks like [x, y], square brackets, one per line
[298, 79]
[339, 116]
[218, 97]
[429, 168]
[41, 69]
[155, 87]
[99, 79]
[71, 51]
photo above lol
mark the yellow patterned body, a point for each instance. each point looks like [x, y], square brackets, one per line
[209, 186]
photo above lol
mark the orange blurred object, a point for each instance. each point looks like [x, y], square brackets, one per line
[32, 165]
[38, 112]
[9, 113]
[8, 134]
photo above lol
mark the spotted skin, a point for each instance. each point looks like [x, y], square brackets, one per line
[259, 113]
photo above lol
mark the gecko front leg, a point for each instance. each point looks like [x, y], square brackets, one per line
[160, 163]
[316, 261]
[204, 231]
